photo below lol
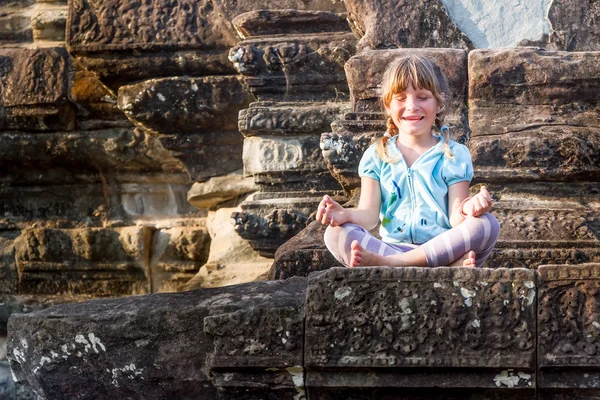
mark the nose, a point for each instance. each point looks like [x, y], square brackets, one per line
[411, 104]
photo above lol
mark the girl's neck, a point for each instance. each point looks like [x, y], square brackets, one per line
[419, 143]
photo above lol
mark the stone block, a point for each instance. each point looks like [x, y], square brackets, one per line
[306, 67]
[8, 268]
[232, 8]
[403, 24]
[49, 23]
[15, 26]
[534, 114]
[206, 154]
[416, 327]
[122, 25]
[288, 21]
[34, 89]
[177, 255]
[280, 155]
[568, 339]
[574, 25]
[303, 254]
[154, 199]
[184, 105]
[137, 345]
[365, 72]
[103, 262]
[279, 119]
[120, 69]
[220, 189]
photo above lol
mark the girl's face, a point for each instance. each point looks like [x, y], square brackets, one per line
[413, 111]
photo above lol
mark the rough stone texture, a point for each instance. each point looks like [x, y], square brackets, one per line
[233, 8]
[295, 67]
[268, 22]
[552, 131]
[221, 190]
[231, 259]
[568, 303]
[123, 25]
[184, 105]
[137, 344]
[392, 24]
[34, 89]
[283, 119]
[177, 255]
[303, 254]
[15, 24]
[83, 261]
[362, 325]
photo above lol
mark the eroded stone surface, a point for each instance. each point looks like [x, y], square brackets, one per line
[34, 89]
[443, 317]
[83, 261]
[279, 21]
[392, 24]
[552, 131]
[184, 105]
[221, 189]
[137, 344]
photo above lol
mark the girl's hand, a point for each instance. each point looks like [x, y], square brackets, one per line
[331, 212]
[479, 204]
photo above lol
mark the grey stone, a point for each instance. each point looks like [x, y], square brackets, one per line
[280, 118]
[140, 344]
[119, 25]
[34, 90]
[232, 8]
[220, 189]
[450, 319]
[288, 21]
[568, 306]
[102, 262]
[392, 24]
[184, 105]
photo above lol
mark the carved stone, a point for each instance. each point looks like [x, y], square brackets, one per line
[245, 339]
[392, 24]
[185, 105]
[303, 254]
[221, 189]
[34, 89]
[368, 325]
[568, 303]
[178, 253]
[100, 261]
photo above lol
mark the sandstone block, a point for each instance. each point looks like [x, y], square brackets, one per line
[206, 154]
[307, 67]
[568, 303]
[8, 268]
[575, 25]
[288, 21]
[120, 25]
[177, 255]
[49, 23]
[393, 24]
[220, 189]
[388, 318]
[34, 89]
[83, 261]
[120, 69]
[15, 26]
[282, 154]
[232, 8]
[184, 105]
[269, 118]
[365, 72]
[139, 344]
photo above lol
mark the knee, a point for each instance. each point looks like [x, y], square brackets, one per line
[485, 223]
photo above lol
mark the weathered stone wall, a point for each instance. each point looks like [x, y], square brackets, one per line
[408, 333]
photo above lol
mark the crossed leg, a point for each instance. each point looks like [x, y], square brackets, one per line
[468, 244]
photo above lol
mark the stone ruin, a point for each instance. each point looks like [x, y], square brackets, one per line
[122, 162]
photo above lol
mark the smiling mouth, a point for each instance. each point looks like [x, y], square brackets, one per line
[413, 118]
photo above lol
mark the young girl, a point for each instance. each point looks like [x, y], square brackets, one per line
[416, 183]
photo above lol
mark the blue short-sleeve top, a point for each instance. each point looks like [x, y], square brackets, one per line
[414, 201]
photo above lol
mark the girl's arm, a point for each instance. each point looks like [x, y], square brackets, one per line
[365, 215]
[478, 205]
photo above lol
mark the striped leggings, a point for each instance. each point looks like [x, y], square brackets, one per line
[475, 233]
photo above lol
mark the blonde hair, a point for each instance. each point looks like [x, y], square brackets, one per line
[420, 73]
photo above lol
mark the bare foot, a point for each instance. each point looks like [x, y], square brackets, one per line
[467, 260]
[361, 257]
